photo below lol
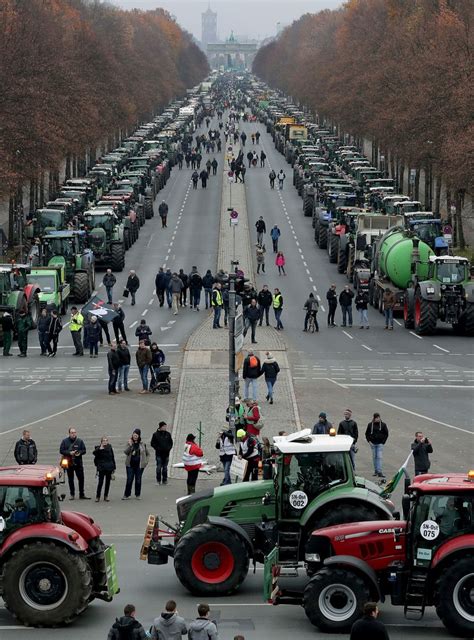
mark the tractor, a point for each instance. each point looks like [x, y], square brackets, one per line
[52, 563]
[54, 290]
[18, 293]
[106, 237]
[310, 484]
[44, 221]
[425, 560]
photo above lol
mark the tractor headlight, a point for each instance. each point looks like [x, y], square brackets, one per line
[312, 557]
[430, 290]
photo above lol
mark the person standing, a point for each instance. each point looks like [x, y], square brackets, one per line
[225, 304]
[421, 448]
[260, 256]
[127, 626]
[170, 625]
[7, 330]
[109, 281]
[263, 157]
[72, 450]
[281, 179]
[169, 297]
[143, 359]
[348, 427]
[251, 317]
[331, 297]
[160, 286]
[207, 282]
[214, 165]
[376, 435]
[322, 426]
[265, 301]
[226, 447]
[389, 302]
[162, 443]
[25, 449]
[92, 333]
[135, 463]
[195, 288]
[272, 177]
[133, 284]
[143, 332]
[204, 176]
[54, 329]
[43, 327]
[113, 362]
[217, 304]
[183, 298]
[252, 418]
[345, 300]
[192, 459]
[275, 235]
[362, 305]
[176, 286]
[23, 325]
[163, 212]
[195, 178]
[248, 450]
[280, 263]
[368, 627]
[118, 323]
[312, 307]
[123, 353]
[270, 370]
[202, 628]
[104, 461]
[251, 372]
[278, 308]
[261, 230]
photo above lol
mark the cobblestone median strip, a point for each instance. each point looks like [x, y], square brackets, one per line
[203, 386]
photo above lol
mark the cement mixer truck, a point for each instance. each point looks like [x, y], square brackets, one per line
[428, 288]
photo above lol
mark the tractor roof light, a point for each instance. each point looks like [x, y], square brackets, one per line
[64, 463]
[49, 476]
[470, 475]
[332, 431]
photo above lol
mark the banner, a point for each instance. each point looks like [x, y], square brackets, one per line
[97, 307]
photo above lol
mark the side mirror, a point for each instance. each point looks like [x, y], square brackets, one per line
[406, 501]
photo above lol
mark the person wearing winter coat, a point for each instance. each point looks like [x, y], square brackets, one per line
[160, 286]
[118, 323]
[207, 283]
[261, 230]
[127, 626]
[195, 288]
[248, 450]
[278, 308]
[143, 332]
[270, 369]
[7, 329]
[362, 304]
[348, 427]
[162, 443]
[136, 460]
[389, 301]
[109, 281]
[192, 459]
[322, 426]
[263, 157]
[175, 286]
[331, 297]
[123, 353]
[260, 256]
[204, 176]
[169, 297]
[376, 435]
[23, 324]
[226, 447]
[72, 449]
[421, 448]
[281, 178]
[113, 361]
[195, 178]
[250, 373]
[183, 298]
[25, 450]
[251, 317]
[43, 326]
[272, 177]
[169, 625]
[132, 286]
[143, 358]
[104, 461]
[368, 627]
[252, 418]
[92, 334]
[163, 212]
[202, 628]
[312, 307]
[275, 235]
[54, 329]
[265, 300]
[345, 300]
[280, 263]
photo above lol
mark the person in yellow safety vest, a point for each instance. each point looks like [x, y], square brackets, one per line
[278, 308]
[217, 304]
[75, 327]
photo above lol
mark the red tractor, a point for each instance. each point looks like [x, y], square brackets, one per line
[426, 560]
[52, 563]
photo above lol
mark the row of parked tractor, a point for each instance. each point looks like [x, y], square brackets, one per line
[377, 237]
[95, 219]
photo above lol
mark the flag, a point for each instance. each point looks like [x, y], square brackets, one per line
[392, 484]
[97, 307]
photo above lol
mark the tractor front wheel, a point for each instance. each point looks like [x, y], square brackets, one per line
[117, 253]
[333, 247]
[80, 287]
[426, 315]
[211, 560]
[455, 597]
[323, 238]
[333, 599]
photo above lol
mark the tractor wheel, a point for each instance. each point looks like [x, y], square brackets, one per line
[466, 324]
[117, 261]
[454, 597]
[34, 310]
[148, 209]
[80, 287]
[126, 239]
[409, 309]
[426, 315]
[64, 306]
[211, 560]
[333, 245]
[44, 584]
[333, 599]
[316, 231]
[345, 512]
[323, 237]
[342, 261]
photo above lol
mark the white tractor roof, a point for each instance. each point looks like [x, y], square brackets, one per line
[304, 442]
[453, 259]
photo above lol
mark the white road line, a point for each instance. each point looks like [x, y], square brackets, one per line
[322, 308]
[305, 264]
[310, 279]
[151, 301]
[308, 271]
[366, 347]
[53, 415]
[398, 322]
[318, 297]
[133, 324]
[416, 335]
[420, 415]
[144, 312]
[441, 348]
[30, 385]
[348, 335]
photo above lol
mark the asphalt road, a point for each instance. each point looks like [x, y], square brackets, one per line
[416, 383]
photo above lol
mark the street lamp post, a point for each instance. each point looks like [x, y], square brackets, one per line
[232, 278]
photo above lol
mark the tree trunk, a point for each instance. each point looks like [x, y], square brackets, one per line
[417, 185]
[11, 221]
[67, 171]
[401, 176]
[427, 188]
[31, 207]
[461, 242]
[41, 190]
[437, 202]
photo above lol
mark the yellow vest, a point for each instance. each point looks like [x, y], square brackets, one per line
[218, 299]
[77, 323]
[277, 301]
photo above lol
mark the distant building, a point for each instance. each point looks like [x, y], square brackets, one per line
[208, 27]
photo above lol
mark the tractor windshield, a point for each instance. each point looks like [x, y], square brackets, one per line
[50, 219]
[46, 283]
[20, 506]
[443, 516]
[102, 221]
[451, 272]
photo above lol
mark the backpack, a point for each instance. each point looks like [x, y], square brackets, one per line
[126, 631]
[253, 362]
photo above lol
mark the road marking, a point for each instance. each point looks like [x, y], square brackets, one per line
[366, 347]
[348, 335]
[420, 415]
[343, 386]
[144, 312]
[310, 279]
[416, 335]
[308, 271]
[151, 301]
[133, 324]
[30, 385]
[53, 415]
[441, 348]
[398, 322]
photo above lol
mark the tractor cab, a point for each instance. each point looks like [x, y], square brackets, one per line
[46, 220]
[428, 229]
[449, 270]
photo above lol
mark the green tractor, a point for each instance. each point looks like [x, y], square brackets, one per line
[44, 221]
[17, 293]
[106, 237]
[55, 291]
[312, 485]
[68, 249]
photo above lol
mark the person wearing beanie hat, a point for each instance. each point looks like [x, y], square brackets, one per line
[135, 462]
[323, 425]
[270, 370]
[192, 462]
[162, 443]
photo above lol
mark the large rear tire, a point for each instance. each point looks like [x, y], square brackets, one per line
[117, 261]
[342, 260]
[333, 599]
[80, 287]
[426, 315]
[332, 249]
[211, 560]
[46, 585]
[126, 239]
[409, 309]
[466, 323]
[323, 237]
[454, 597]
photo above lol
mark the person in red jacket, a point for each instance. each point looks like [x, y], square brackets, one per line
[252, 417]
[192, 462]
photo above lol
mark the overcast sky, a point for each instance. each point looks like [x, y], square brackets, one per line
[256, 19]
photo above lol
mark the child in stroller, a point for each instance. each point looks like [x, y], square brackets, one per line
[160, 374]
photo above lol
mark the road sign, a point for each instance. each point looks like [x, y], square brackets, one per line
[234, 217]
[238, 333]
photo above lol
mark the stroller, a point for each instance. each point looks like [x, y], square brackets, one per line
[160, 379]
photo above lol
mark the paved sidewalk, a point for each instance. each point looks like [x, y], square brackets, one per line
[203, 390]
